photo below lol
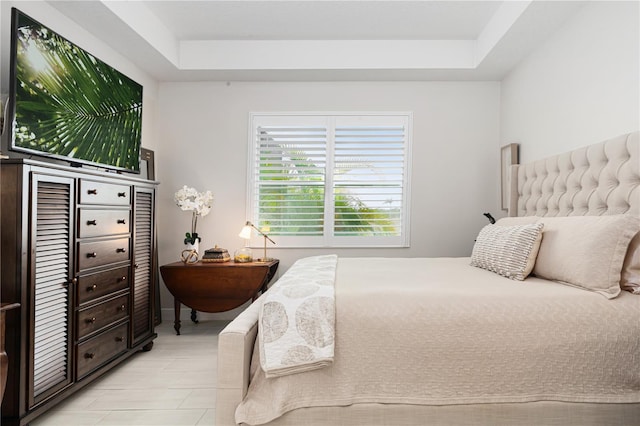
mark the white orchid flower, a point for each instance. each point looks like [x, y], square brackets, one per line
[189, 199]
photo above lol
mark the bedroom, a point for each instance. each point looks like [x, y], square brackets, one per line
[563, 95]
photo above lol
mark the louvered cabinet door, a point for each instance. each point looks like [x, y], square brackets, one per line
[51, 270]
[143, 267]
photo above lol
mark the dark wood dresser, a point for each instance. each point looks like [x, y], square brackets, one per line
[77, 254]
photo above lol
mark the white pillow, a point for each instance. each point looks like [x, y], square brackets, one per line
[586, 251]
[630, 280]
[509, 251]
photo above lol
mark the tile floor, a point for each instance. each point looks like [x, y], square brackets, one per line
[173, 384]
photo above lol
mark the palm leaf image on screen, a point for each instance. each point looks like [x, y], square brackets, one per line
[70, 104]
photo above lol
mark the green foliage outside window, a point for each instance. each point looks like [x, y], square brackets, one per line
[292, 199]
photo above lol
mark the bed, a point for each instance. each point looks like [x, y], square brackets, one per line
[460, 343]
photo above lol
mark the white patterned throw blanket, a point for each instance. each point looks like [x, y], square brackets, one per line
[297, 321]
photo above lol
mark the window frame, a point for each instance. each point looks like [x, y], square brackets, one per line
[328, 240]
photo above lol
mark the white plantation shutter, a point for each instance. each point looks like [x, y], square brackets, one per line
[330, 180]
[289, 186]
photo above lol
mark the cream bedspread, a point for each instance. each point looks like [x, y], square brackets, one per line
[438, 331]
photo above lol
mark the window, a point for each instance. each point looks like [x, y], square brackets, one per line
[338, 180]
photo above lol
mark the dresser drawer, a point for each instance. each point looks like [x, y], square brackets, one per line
[93, 286]
[92, 192]
[100, 253]
[101, 349]
[101, 315]
[96, 223]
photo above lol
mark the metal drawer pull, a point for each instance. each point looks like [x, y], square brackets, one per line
[89, 355]
[92, 222]
[91, 320]
[123, 278]
[92, 288]
[120, 250]
[122, 307]
[122, 221]
[92, 191]
[93, 254]
[122, 194]
[119, 339]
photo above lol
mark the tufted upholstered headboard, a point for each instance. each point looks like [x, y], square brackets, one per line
[595, 180]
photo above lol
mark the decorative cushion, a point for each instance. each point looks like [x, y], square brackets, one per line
[631, 267]
[509, 251]
[586, 251]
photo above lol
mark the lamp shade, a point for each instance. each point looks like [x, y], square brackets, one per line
[245, 233]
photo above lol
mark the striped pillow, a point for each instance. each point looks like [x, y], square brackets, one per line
[509, 251]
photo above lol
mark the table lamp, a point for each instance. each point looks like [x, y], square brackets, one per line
[246, 234]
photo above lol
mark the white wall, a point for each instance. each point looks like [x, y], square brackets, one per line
[204, 132]
[578, 88]
[52, 18]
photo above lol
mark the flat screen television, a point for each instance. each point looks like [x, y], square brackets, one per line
[69, 105]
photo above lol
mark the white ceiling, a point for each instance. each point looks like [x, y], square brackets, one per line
[321, 40]
[324, 20]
